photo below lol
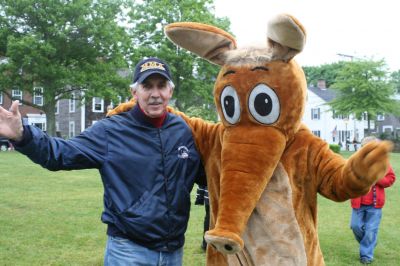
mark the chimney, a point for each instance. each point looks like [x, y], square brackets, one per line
[321, 84]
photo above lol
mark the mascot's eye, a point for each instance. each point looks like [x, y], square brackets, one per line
[264, 104]
[230, 105]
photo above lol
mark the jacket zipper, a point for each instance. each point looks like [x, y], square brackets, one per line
[163, 155]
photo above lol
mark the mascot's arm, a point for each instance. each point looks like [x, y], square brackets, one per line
[339, 179]
[365, 167]
[204, 133]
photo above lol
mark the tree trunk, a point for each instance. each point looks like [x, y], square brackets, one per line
[50, 108]
[51, 122]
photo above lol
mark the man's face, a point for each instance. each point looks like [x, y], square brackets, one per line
[153, 95]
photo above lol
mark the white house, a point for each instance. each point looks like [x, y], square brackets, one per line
[334, 129]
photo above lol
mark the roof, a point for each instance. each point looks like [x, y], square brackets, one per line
[325, 94]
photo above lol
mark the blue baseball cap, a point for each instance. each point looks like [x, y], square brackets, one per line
[150, 66]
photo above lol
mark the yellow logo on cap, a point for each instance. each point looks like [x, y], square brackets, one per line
[151, 65]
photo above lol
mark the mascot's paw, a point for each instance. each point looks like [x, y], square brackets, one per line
[370, 163]
[224, 241]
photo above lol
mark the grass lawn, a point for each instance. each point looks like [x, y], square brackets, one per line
[53, 218]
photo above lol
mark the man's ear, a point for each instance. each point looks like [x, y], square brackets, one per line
[133, 93]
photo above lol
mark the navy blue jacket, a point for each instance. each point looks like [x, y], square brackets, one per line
[147, 173]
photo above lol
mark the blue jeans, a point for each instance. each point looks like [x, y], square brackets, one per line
[365, 224]
[121, 252]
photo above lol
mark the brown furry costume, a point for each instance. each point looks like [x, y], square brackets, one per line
[264, 167]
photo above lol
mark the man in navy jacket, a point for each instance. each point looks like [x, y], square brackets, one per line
[148, 163]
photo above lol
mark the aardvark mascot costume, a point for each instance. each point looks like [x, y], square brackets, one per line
[264, 167]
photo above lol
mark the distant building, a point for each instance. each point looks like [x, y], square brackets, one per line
[74, 115]
[388, 126]
[30, 115]
[324, 123]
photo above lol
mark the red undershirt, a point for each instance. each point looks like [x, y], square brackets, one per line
[156, 121]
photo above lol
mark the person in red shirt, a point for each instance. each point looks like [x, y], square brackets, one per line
[367, 213]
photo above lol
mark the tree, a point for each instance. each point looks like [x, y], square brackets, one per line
[395, 80]
[363, 86]
[327, 72]
[194, 77]
[60, 46]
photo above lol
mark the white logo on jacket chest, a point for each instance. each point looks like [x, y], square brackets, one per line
[183, 152]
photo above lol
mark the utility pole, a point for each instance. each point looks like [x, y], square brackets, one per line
[346, 56]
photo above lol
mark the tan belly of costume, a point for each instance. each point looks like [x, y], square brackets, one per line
[272, 235]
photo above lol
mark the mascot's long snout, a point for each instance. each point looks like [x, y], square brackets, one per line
[244, 176]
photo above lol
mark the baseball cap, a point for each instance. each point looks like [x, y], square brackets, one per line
[149, 66]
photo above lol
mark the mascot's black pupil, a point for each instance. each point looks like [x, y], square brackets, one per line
[229, 105]
[263, 104]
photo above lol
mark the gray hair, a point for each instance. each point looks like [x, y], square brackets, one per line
[135, 85]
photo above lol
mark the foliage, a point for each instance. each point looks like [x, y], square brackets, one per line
[208, 114]
[194, 77]
[62, 46]
[363, 87]
[327, 72]
[395, 80]
[82, 45]
[335, 148]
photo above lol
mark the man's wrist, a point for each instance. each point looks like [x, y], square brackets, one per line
[25, 137]
[20, 136]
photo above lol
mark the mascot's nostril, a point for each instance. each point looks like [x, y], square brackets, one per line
[228, 247]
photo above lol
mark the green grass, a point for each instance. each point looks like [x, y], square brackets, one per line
[53, 218]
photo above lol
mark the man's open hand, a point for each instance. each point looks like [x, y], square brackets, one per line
[10, 122]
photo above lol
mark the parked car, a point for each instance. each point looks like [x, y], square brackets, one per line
[4, 144]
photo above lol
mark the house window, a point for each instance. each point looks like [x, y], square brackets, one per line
[1, 98]
[16, 95]
[335, 115]
[71, 129]
[57, 126]
[57, 108]
[380, 117]
[344, 135]
[72, 103]
[317, 133]
[38, 96]
[315, 114]
[119, 97]
[42, 126]
[387, 129]
[98, 105]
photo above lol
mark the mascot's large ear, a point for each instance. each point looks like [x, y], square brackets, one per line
[206, 41]
[286, 37]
